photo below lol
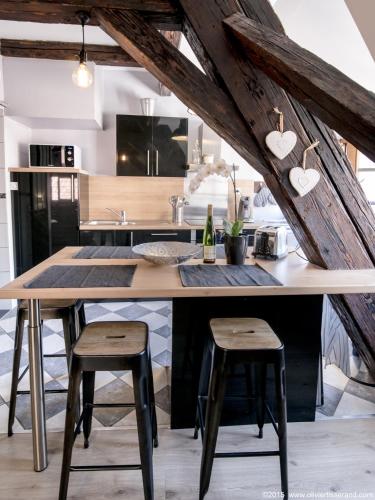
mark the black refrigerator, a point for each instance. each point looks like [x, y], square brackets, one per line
[45, 211]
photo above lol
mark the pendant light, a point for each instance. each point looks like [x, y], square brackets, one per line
[82, 76]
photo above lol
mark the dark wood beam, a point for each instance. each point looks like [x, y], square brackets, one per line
[326, 221]
[162, 14]
[152, 51]
[109, 55]
[336, 99]
[173, 37]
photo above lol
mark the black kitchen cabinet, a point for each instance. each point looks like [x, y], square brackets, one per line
[105, 238]
[151, 146]
[45, 216]
[161, 235]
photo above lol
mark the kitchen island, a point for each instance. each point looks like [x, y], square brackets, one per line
[293, 310]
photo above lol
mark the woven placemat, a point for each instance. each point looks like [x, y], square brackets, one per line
[83, 277]
[230, 275]
[105, 252]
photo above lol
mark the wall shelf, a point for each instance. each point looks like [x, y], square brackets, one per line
[49, 170]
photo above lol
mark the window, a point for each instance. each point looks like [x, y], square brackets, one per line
[366, 176]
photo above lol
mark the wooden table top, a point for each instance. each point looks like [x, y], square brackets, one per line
[298, 277]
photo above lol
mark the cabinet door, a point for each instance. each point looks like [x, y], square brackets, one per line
[64, 210]
[40, 217]
[157, 235]
[134, 145]
[170, 136]
[22, 227]
[96, 238]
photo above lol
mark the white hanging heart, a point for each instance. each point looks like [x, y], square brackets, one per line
[303, 180]
[281, 144]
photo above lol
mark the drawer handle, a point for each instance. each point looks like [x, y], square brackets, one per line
[164, 234]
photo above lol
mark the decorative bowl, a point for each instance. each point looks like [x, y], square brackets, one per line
[166, 252]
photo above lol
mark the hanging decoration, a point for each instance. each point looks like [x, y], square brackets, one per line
[304, 179]
[281, 143]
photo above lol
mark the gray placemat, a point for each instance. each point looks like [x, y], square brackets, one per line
[105, 252]
[229, 275]
[83, 277]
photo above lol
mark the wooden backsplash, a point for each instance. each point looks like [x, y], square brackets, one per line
[144, 198]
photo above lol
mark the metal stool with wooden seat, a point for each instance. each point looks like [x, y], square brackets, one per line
[72, 314]
[236, 341]
[111, 346]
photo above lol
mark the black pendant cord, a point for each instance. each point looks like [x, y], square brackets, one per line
[84, 18]
[82, 55]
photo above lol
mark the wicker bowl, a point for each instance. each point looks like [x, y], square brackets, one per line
[166, 252]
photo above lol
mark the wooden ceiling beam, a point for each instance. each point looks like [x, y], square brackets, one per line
[152, 51]
[324, 90]
[334, 223]
[100, 54]
[163, 14]
[173, 37]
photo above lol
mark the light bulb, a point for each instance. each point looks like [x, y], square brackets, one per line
[82, 76]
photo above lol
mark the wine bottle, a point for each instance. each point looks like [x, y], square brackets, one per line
[209, 239]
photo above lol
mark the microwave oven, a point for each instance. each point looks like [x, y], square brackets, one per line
[49, 155]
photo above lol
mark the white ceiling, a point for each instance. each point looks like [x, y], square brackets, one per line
[53, 32]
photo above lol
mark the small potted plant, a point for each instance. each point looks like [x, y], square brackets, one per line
[235, 243]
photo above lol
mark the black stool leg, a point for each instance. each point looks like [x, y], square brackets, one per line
[88, 387]
[282, 421]
[16, 369]
[204, 379]
[261, 372]
[142, 403]
[69, 327]
[215, 400]
[151, 393]
[82, 317]
[73, 393]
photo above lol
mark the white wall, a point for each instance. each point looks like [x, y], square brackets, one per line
[14, 152]
[327, 28]
[42, 91]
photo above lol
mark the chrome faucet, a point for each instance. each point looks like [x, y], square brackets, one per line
[120, 213]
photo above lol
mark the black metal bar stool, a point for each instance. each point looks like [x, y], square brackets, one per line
[72, 314]
[111, 346]
[236, 341]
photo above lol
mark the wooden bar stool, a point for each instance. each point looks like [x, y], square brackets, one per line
[72, 314]
[236, 341]
[111, 346]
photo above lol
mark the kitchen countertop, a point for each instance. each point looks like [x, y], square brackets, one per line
[298, 276]
[157, 225]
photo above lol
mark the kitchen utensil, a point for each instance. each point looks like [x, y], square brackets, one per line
[178, 202]
[245, 211]
[148, 106]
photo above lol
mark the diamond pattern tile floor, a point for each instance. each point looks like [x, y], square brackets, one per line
[110, 386]
[343, 397]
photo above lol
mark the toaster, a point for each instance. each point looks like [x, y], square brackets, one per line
[270, 242]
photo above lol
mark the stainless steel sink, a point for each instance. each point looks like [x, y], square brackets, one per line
[106, 223]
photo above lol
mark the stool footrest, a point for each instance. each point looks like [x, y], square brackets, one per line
[54, 355]
[89, 468]
[247, 454]
[111, 405]
[47, 391]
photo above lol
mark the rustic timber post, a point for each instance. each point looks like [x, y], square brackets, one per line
[334, 223]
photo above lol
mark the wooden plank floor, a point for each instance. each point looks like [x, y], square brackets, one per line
[325, 456]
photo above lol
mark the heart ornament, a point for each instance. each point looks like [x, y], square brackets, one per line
[303, 180]
[281, 143]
